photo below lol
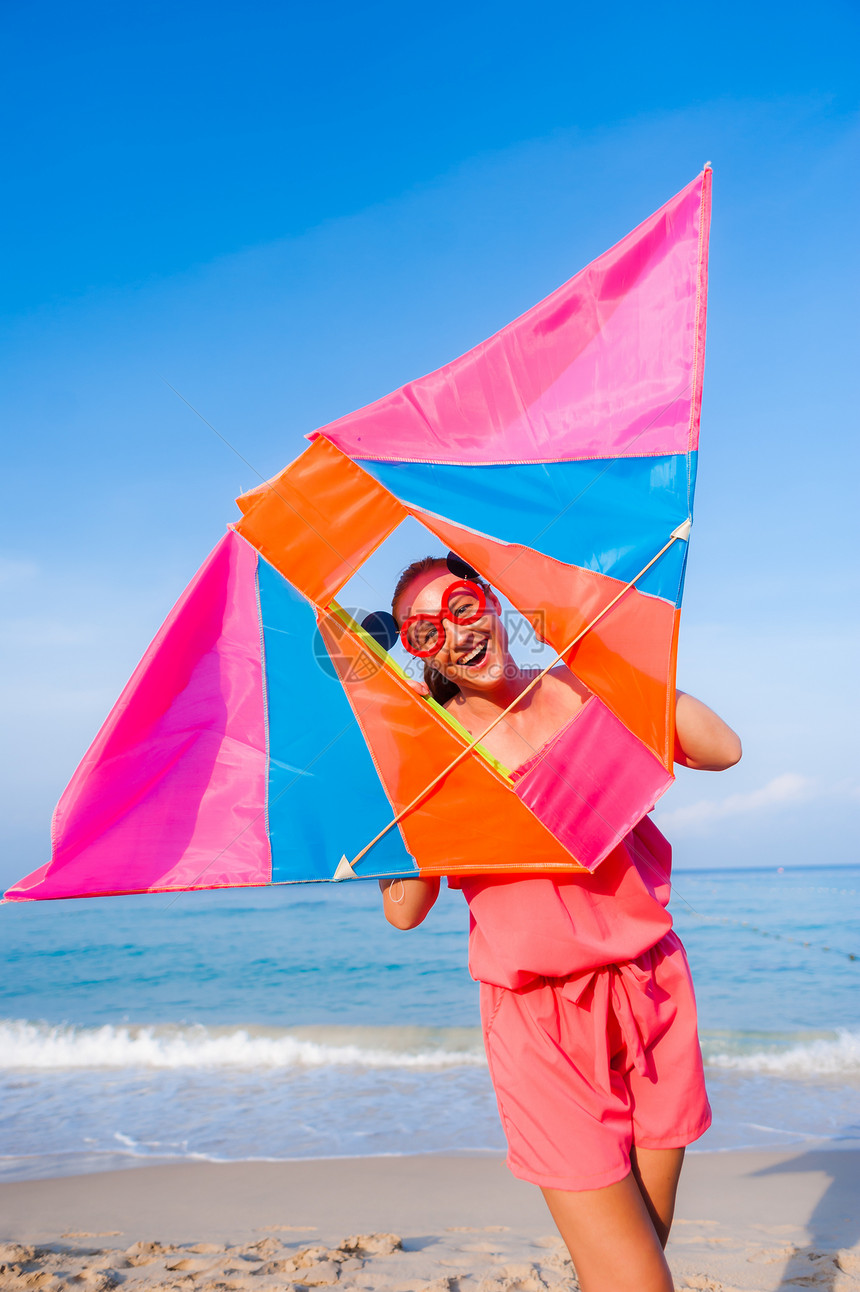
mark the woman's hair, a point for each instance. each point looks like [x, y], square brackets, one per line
[440, 687]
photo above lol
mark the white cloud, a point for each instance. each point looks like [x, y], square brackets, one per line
[790, 787]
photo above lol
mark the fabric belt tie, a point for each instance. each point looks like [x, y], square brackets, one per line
[628, 990]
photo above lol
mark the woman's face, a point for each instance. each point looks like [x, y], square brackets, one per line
[473, 656]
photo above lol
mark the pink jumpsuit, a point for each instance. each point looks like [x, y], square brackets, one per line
[588, 1014]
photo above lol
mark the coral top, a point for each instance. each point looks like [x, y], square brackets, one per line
[554, 926]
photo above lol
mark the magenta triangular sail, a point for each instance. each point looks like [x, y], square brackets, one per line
[609, 365]
[171, 794]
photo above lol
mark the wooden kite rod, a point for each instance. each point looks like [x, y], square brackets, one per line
[682, 532]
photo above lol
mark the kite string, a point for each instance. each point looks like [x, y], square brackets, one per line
[769, 933]
[422, 794]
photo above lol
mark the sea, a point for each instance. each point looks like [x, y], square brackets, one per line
[292, 1023]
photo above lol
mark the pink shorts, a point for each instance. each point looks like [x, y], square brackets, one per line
[586, 1067]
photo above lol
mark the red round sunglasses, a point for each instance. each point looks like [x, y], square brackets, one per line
[463, 603]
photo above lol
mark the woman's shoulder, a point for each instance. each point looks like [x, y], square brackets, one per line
[563, 686]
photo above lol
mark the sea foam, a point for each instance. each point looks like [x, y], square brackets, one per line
[41, 1046]
[833, 1055]
[31, 1045]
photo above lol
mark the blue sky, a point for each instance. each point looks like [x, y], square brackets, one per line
[288, 212]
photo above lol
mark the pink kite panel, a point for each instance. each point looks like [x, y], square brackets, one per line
[588, 783]
[188, 728]
[609, 365]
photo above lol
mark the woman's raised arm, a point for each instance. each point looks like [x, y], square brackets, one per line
[702, 740]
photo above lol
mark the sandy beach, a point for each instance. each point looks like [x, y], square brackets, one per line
[749, 1220]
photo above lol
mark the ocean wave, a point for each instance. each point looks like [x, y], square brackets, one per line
[834, 1054]
[25, 1044]
[29, 1045]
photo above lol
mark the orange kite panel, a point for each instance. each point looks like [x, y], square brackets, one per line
[477, 820]
[319, 520]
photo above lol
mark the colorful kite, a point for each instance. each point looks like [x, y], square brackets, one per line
[558, 459]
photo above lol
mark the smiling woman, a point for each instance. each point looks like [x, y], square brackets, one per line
[587, 1006]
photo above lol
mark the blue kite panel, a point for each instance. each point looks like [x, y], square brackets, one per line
[606, 514]
[325, 799]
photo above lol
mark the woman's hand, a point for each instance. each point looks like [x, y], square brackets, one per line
[407, 901]
[702, 740]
